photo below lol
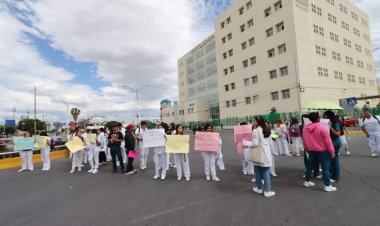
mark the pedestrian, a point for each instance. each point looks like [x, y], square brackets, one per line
[114, 140]
[209, 158]
[85, 151]
[144, 152]
[26, 157]
[247, 165]
[182, 159]
[122, 146]
[170, 160]
[295, 136]
[320, 147]
[93, 152]
[260, 136]
[77, 156]
[371, 127]
[282, 141]
[45, 152]
[335, 138]
[344, 134]
[160, 158]
[101, 144]
[130, 144]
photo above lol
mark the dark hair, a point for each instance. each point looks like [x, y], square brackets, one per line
[261, 122]
[314, 116]
[120, 125]
[294, 121]
[208, 125]
[43, 134]
[101, 129]
[176, 129]
[173, 126]
[279, 121]
[330, 115]
[93, 131]
[143, 123]
[243, 123]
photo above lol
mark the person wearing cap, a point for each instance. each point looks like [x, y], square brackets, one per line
[370, 124]
[130, 143]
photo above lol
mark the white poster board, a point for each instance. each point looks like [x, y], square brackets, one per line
[154, 138]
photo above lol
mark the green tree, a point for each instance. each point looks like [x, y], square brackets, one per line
[111, 124]
[28, 125]
[9, 129]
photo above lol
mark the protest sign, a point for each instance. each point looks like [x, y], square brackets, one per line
[41, 142]
[91, 138]
[154, 138]
[22, 143]
[177, 144]
[75, 145]
[243, 132]
[207, 141]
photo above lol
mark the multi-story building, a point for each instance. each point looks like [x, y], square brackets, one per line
[286, 53]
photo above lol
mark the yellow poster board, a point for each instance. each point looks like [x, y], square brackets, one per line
[75, 145]
[91, 138]
[41, 142]
[177, 144]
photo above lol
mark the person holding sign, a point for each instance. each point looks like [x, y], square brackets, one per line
[78, 156]
[45, 150]
[160, 159]
[143, 151]
[25, 147]
[182, 159]
[209, 153]
[114, 139]
[93, 152]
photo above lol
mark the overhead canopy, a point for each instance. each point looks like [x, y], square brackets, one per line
[322, 105]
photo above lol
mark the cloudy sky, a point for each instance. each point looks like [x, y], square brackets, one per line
[91, 54]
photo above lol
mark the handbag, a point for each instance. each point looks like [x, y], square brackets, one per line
[256, 154]
[132, 154]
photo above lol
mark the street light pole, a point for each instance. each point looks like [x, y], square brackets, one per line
[137, 99]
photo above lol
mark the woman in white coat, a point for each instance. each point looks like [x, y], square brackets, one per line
[282, 142]
[77, 156]
[182, 159]
[261, 135]
[209, 158]
[93, 151]
[26, 157]
[45, 152]
[160, 159]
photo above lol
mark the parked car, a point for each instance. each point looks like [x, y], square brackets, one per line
[348, 121]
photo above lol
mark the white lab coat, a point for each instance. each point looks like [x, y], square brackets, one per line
[45, 155]
[256, 133]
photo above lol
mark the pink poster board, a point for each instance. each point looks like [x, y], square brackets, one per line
[206, 141]
[241, 133]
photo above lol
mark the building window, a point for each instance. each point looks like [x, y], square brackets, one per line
[250, 23]
[343, 8]
[228, 20]
[336, 56]
[331, 2]
[325, 72]
[242, 28]
[320, 50]
[246, 82]
[345, 26]
[315, 9]
[228, 104]
[360, 64]
[358, 48]
[248, 100]
[356, 32]
[254, 79]
[269, 32]
[244, 45]
[334, 37]
[274, 95]
[224, 55]
[225, 71]
[229, 36]
[232, 69]
[285, 94]
[347, 42]
[320, 71]
[349, 60]
[271, 53]
[248, 4]
[241, 10]
[230, 52]
[318, 30]
[224, 40]
[267, 12]
[233, 103]
[280, 26]
[222, 24]
[332, 18]
[338, 75]
[277, 5]
[252, 60]
[255, 99]
[361, 80]
[233, 86]
[273, 74]
[245, 63]
[252, 41]
[226, 88]
[284, 71]
[364, 22]
[354, 16]
[351, 78]
[281, 48]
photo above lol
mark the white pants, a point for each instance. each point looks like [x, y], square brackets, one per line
[85, 155]
[182, 163]
[143, 157]
[45, 154]
[93, 156]
[170, 160]
[374, 143]
[247, 165]
[283, 145]
[77, 159]
[272, 169]
[209, 162]
[26, 160]
[344, 142]
[296, 145]
[123, 153]
[108, 154]
[160, 163]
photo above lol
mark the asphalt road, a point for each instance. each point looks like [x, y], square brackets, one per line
[59, 198]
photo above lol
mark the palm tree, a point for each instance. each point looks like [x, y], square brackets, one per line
[75, 112]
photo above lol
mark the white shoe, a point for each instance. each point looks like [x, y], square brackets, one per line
[83, 165]
[258, 191]
[273, 175]
[79, 169]
[94, 171]
[156, 177]
[31, 169]
[373, 154]
[253, 180]
[72, 171]
[90, 171]
[319, 177]
[20, 170]
[298, 155]
[348, 153]
[288, 155]
[187, 178]
[179, 178]
[216, 179]
[208, 178]
[163, 178]
[329, 188]
[308, 184]
[269, 194]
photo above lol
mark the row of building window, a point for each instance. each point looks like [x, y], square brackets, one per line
[276, 6]
[251, 61]
[249, 25]
[285, 94]
[279, 27]
[280, 49]
[324, 72]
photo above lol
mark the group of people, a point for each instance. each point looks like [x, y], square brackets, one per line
[321, 147]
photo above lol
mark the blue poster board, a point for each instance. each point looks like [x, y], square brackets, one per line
[22, 143]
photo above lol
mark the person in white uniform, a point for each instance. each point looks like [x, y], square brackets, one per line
[371, 127]
[85, 151]
[282, 142]
[45, 152]
[209, 158]
[77, 156]
[26, 157]
[93, 152]
[143, 151]
[122, 146]
[159, 160]
[182, 159]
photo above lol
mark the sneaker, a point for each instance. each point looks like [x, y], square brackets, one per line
[348, 153]
[273, 175]
[90, 171]
[319, 177]
[208, 178]
[332, 180]
[187, 178]
[179, 178]
[143, 168]
[131, 172]
[163, 178]
[20, 170]
[269, 194]
[94, 171]
[31, 169]
[216, 179]
[373, 154]
[253, 180]
[298, 155]
[258, 191]
[72, 171]
[288, 155]
[329, 188]
[156, 177]
[79, 169]
[308, 184]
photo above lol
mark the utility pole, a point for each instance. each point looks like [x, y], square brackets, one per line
[35, 109]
